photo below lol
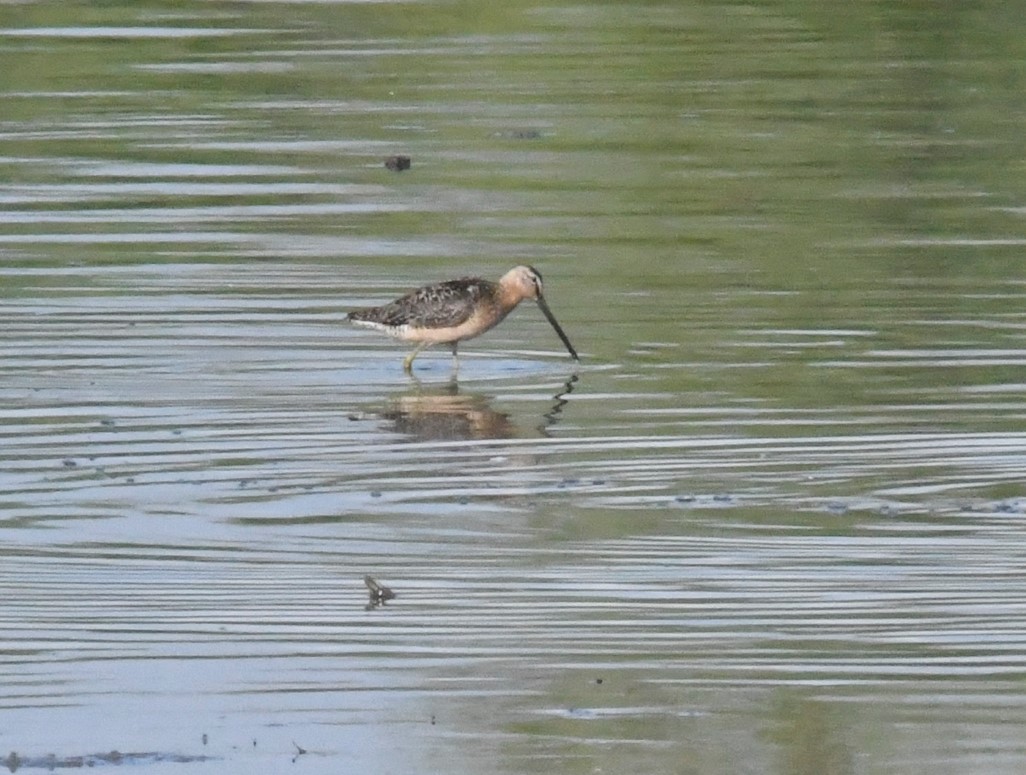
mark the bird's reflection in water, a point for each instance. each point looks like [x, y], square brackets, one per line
[552, 416]
[446, 414]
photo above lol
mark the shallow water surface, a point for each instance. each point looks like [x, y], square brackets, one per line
[773, 522]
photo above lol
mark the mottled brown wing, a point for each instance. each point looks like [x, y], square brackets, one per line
[434, 306]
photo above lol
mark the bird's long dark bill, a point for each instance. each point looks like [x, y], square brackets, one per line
[555, 325]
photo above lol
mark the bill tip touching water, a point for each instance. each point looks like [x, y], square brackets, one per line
[451, 311]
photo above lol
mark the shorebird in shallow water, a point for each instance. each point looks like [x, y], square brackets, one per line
[449, 312]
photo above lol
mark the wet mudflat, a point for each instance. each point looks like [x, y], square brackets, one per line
[772, 523]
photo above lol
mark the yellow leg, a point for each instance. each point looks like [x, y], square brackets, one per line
[408, 362]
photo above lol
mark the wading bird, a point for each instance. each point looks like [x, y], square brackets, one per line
[449, 312]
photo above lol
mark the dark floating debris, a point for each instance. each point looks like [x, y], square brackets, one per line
[398, 163]
[520, 134]
[379, 594]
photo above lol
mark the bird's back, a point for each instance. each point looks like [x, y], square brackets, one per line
[443, 305]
